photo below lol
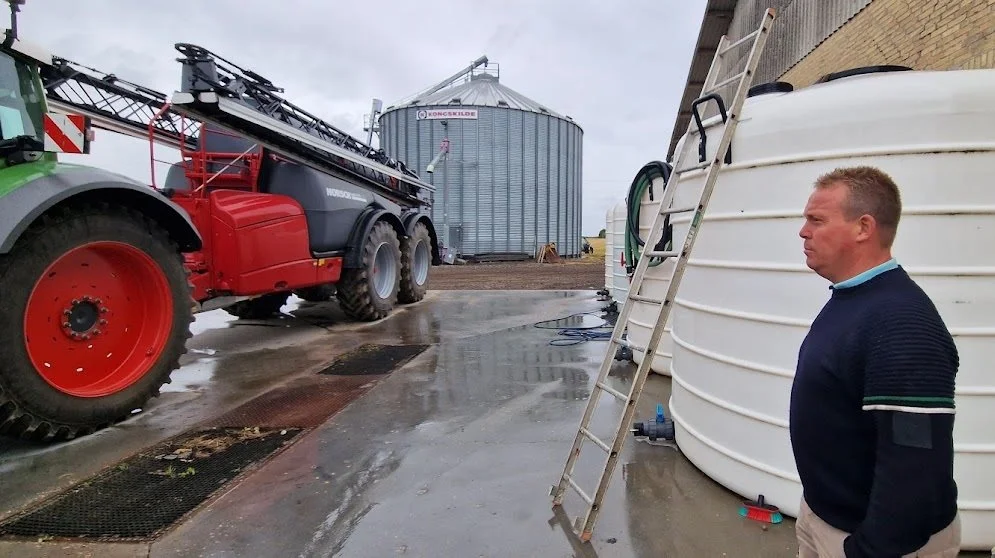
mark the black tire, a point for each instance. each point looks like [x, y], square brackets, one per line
[30, 407]
[320, 293]
[258, 308]
[356, 289]
[416, 260]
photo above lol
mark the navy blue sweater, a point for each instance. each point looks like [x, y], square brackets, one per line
[872, 414]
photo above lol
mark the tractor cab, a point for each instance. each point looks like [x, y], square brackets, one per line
[22, 104]
[28, 132]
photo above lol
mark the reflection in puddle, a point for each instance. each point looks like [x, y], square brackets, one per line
[193, 375]
[220, 319]
[215, 319]
[293, 303]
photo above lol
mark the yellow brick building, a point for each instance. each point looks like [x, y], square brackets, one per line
[812, 38]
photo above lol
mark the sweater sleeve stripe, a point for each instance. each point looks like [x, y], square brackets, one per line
[911, 361]
[909, 400]
[908, 409]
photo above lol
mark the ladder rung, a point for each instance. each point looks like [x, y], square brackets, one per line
[580, 491]
[661, 254]
[699, 166]
[738, 42]
[644, 298]
[585, 526]
[596, 440]
[618, 394]
[673, 210]
[630, 345]
[723, 83]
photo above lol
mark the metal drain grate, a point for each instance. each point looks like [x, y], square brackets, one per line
[141, 497]
[146, 494]
[372, 359]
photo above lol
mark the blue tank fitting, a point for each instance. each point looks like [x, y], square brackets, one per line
[660, 427]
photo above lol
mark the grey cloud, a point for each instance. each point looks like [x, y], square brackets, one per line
[617, 68]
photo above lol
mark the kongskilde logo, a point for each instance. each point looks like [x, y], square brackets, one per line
[446, 114]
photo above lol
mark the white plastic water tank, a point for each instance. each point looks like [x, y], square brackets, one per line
[620, 281]
[609, 240]
[748, 298]
[656, 281]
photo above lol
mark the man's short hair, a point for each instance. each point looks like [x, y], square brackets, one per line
[870, 191]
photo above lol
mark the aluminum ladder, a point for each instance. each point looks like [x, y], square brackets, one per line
[757, 39]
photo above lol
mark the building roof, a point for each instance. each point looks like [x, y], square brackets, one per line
[483, 89]
[715, 23]
[802, 26]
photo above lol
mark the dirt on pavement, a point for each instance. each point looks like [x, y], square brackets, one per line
[570, 274]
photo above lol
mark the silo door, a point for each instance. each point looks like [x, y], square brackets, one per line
[456, 238]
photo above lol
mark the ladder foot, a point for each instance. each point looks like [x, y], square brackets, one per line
[586, 536]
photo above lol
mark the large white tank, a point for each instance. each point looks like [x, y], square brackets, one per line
[609, 242]
[748, 299]
[656, 281]
[620, 281]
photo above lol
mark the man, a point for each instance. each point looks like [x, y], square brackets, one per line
[872, 405]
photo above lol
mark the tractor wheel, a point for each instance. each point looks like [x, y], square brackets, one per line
[96, 315]
[320, 293]
[369, 293]
[258, 308]
[416, 259]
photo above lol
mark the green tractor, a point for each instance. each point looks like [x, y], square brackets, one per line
[96, 303]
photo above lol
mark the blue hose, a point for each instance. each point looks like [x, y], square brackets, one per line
[579, 334]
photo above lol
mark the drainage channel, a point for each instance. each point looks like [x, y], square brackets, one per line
[140, 498]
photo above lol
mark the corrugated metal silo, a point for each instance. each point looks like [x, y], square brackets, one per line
[512, 178]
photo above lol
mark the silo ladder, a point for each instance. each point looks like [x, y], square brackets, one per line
[757, 39]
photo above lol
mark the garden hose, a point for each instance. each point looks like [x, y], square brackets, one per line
[642, 182]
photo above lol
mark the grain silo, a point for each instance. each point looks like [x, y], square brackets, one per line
[511, 180]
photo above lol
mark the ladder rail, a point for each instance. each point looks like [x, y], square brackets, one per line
[620, 323]
[648, 250]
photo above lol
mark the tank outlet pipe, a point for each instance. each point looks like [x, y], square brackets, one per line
[661, 427]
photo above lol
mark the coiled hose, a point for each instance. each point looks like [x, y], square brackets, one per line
[642, 182]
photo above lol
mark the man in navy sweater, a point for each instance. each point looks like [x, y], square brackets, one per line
[872, 404]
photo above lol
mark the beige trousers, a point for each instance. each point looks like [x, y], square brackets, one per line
[818, 539]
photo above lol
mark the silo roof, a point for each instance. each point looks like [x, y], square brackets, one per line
[483, 90]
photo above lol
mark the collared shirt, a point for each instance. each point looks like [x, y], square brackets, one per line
[869, 274]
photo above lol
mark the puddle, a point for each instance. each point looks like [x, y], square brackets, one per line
[193, 375]
[220, 319]
[214, 319]
[293, 303]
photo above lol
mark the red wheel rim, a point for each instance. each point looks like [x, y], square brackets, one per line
[98, 319]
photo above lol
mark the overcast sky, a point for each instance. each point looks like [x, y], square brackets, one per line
[618, 68]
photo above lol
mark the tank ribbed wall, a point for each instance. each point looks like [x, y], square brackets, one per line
[748, 299]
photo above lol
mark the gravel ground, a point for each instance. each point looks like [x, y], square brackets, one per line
[586, 273]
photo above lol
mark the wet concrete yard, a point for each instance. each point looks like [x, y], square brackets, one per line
[452, 454]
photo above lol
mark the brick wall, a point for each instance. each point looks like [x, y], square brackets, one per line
[920, 34]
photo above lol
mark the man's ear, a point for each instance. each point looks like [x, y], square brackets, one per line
[866, 228]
